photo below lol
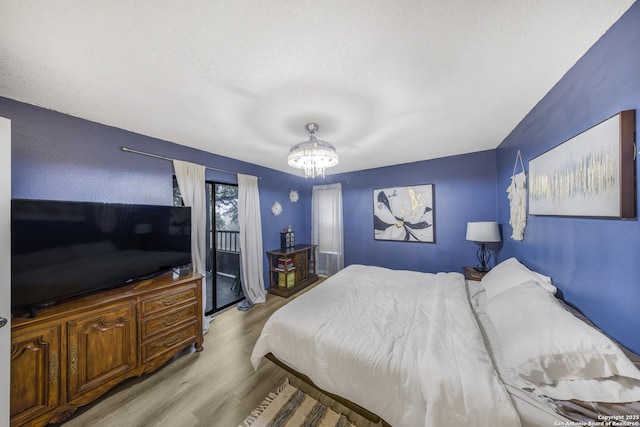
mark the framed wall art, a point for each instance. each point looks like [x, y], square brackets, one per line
[404, 214]
[589, 175]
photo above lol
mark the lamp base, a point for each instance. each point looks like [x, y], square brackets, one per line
[483, 258]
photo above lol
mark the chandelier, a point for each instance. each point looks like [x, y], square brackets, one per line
[314, 155]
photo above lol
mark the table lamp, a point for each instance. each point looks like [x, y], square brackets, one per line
[483, 232]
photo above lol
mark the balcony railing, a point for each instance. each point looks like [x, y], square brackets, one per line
[227, 241]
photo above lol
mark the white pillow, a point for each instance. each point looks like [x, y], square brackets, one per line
[541, 342]
[511, 273]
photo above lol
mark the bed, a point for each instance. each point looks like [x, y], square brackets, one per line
[420, 349]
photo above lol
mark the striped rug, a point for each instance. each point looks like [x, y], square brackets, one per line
[289, 407]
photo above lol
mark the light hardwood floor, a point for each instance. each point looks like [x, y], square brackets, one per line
[216, 387]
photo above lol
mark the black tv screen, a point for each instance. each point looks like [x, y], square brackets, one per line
[65, 249]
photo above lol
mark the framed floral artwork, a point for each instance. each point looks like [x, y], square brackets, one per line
[404, 214]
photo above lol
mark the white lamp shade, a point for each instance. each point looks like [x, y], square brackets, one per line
[483, 231]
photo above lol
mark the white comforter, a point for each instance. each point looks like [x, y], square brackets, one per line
[405, 345]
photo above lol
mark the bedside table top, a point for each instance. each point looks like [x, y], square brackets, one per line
[470, 273]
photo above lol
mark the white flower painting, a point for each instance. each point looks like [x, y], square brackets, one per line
[404, 214]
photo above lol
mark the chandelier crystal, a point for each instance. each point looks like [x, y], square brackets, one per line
[313, 156]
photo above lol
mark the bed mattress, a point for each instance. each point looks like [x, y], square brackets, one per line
[402, 344]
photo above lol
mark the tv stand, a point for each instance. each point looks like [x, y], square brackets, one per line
[75, 351]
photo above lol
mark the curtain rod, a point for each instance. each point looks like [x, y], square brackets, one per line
[171, 160]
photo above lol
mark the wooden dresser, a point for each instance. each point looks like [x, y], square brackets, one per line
[72, 353]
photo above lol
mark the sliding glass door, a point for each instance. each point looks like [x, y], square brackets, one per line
[223, 286]
[225, 246]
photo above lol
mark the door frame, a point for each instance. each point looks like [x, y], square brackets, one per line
[5, 267]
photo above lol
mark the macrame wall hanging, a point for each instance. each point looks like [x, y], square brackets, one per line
[518, 200]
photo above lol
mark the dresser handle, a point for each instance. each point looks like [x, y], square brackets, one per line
[74, 359]
[172, 319]
[171, 300]
[168, 342]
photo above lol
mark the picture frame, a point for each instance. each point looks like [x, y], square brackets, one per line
[404, 214]
[589, 175]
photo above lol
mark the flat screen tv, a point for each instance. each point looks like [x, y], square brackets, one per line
[63, 249]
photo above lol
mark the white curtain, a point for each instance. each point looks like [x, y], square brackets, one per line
[251, 255]
[190, 177]
[326, 228]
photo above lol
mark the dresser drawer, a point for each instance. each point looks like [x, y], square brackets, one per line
[167, 300]
[169, 342]
[168, 319]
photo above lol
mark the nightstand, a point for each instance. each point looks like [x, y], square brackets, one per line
[471, 273]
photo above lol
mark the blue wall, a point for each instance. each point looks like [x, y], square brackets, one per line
[59, 157]
[593, 261]
[465, 190]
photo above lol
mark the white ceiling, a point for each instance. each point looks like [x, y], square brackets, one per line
[388, 81]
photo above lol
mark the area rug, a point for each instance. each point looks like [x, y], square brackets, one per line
[290, 407]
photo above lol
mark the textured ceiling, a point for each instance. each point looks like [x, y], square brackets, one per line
[387, 81]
